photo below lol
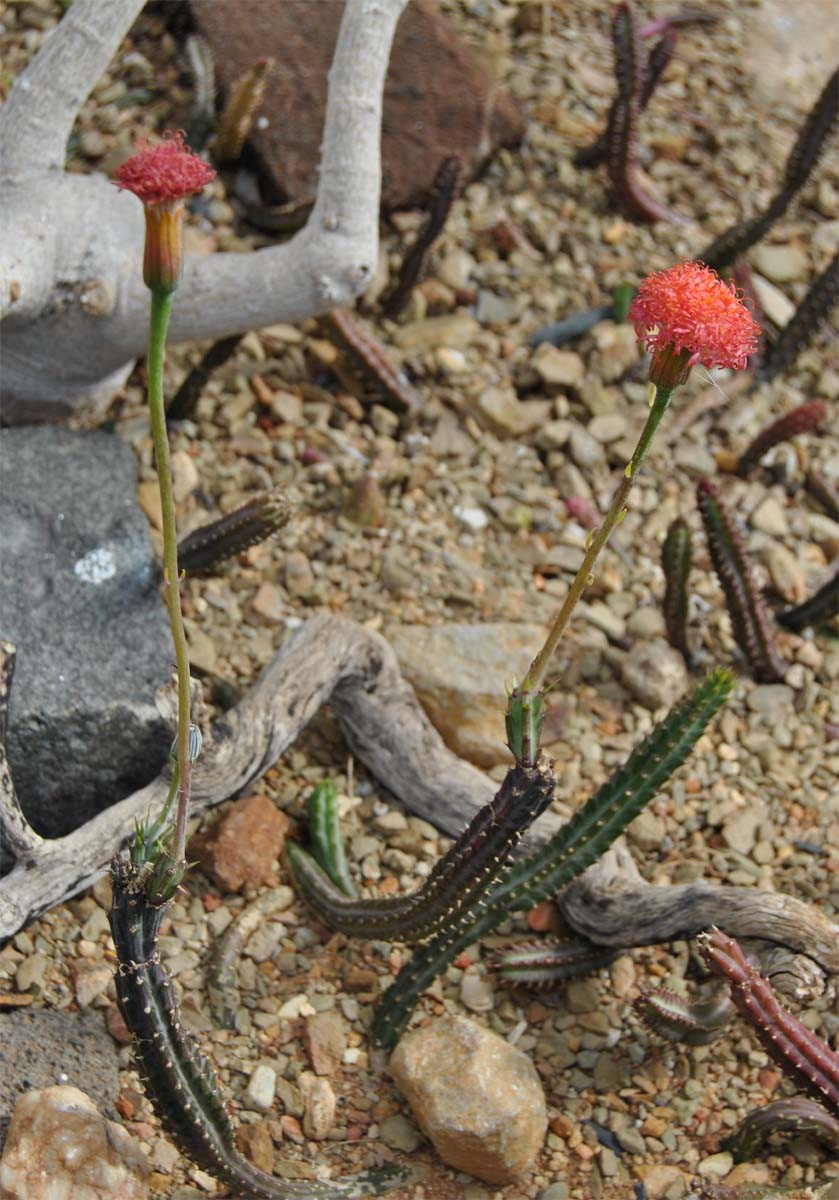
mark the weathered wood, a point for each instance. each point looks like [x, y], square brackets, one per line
[332, 659]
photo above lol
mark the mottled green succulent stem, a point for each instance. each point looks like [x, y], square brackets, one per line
[161, 307]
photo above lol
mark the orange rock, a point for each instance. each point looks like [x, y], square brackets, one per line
[239, 848]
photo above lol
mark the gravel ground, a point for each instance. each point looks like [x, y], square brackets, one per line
[466, 522]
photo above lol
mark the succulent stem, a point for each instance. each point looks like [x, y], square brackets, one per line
[799, 1052]
[676, 562]
[447, 186]
[207, 547]
[802, 419]
[580, 842]
[745, 605]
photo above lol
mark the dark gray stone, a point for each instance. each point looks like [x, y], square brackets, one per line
[42, 1048]
[79, 599]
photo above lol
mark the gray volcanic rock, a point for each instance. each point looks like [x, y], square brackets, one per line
[79, 599]
[46, 1047]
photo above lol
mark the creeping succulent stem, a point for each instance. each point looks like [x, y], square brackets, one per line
[795, 1048]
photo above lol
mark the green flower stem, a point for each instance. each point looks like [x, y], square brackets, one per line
[161, 307]
[535, 678]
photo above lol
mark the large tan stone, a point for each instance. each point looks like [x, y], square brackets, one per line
[476, 1097]
[459, 673]
[58, 1145]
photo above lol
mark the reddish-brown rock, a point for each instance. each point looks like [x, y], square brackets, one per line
[439, 99]
[238, 850]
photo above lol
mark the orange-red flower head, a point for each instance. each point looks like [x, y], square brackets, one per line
[162, 176]
[687, 315]
[165, 172]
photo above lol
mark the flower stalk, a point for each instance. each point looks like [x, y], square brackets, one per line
[684, 316]
[162, 176]
[660, 399]
[161, 307]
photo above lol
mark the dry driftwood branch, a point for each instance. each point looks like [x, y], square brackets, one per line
[335, 660]
[73, 308]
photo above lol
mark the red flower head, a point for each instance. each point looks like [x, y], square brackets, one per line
[164, 173]
[162, 176]
[688, 315]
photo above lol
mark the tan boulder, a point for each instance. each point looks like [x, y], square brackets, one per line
[477, 1098]
[59, 1145]
[459, 673]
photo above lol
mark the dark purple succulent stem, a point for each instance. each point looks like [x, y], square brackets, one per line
[622, 129]
[207, 547]
[447, 186]
[824, 492]
[795, 1116]
[821, 297]
[819, 607]
[749, 618]
[189, 393]
[801, 162]
[676, 562]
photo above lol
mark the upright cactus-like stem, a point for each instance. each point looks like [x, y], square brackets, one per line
[177, 1077]
[324, 822]
[236, 119]
[657, 62]
[821, 297]
[447, 186]
[622, 130]
[675, 562]
[188, 394]
[795, 1048]
[801, 162]
[749, 619]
